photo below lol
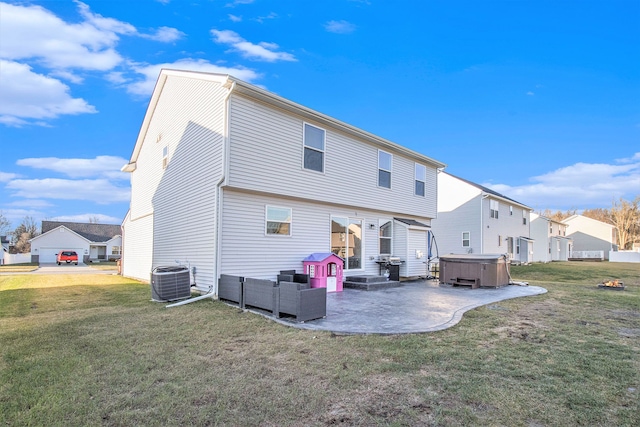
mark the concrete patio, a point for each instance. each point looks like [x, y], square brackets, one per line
[416, 306]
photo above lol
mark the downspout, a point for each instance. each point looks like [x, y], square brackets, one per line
[218, 245]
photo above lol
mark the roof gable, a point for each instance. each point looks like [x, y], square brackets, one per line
[91, 231]
[488, 190]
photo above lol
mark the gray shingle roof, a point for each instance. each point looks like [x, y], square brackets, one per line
[90, 231]
[486, 190]
[412, 222]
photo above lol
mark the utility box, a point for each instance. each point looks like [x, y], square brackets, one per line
[170, 283]
[324, 270]
[490, 270]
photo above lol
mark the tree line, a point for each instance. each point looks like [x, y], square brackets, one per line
[20, 236]
[624, 215]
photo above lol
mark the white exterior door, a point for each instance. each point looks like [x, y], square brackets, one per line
[331, 284]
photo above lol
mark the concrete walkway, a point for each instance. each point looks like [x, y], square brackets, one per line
[418, 306]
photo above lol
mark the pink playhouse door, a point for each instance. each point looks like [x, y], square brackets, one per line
[332, 277]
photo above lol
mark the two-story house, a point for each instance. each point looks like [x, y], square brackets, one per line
[551, 241]
[233, 179]
[475, 219]
[590, 237]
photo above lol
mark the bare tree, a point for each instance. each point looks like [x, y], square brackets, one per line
[5, 224]
[625, 216]
[26, 231]
[94, 219]
[599, 214]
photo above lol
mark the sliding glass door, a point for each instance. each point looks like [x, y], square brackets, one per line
[346, 241]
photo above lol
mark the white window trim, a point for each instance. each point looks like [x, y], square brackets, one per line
[266, 221]
[469, 239]
[165, 156]
[492, 210]
[305, 146]
[415, 173]
[380, 223]
[390, 170]
[363, 240]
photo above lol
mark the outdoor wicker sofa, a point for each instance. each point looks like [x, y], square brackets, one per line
[230, 288]
[301, 301]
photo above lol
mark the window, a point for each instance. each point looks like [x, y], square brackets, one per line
[165, 156]
[518, 246]
[386, 232]
[116, 250]
[278, 221]
[346, 241]
[499, 240]
[313, 148]
[466, 239]
[384, 169]
[421, 180]
[524, 217]
[511, 210]
[495, 207]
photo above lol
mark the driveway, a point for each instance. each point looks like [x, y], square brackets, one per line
[54, 268]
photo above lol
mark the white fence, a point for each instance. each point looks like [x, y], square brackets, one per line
[15, 258]
[587, 255]
[624, 256]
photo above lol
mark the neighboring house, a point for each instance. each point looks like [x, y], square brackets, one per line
[591, 235]
[476, 219]
[229, 178]
[91, 241]
[4, 243]
[551, 241]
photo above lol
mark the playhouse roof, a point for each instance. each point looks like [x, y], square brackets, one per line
[320, 256]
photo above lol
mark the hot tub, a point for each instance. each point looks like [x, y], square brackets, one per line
[489, 270]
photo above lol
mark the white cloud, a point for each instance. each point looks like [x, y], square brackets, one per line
[530, 93]
[262, 52]
[238, 2]
[234, 18]
[5, 176]
[30, 203]
[35, 96]
[261, 19]
[150, 73]
[340, 27]
[165, 35]
[32, 32]
[102, 219]
[101, 166]
[101, 191]
[579, 186]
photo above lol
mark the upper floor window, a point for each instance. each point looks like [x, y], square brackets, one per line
[165, 156]
[511, 210]
[384, 169]
[314, 139]
[278, 221]
[495, 207]
[421, 180]
[524, 217]
[386, 230]
[466, 239]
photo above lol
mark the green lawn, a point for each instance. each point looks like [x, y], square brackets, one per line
[94, 350]
[19, 268]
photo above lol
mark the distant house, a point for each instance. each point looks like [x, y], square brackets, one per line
[591, 235]
[475, 219]
[233, 179]
[551, 241]
[4, 243]
[91, 241]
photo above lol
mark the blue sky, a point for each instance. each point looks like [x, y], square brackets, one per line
[539, 100]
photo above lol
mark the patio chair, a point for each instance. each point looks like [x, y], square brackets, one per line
[260, 293]
[230, 288]
[302, 301]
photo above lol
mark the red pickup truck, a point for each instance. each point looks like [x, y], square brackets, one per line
[67, 256]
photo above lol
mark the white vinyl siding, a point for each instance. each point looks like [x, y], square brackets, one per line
[266, 150]
[137, 241]
[189, 120]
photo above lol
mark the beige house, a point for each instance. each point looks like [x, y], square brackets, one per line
[590, 235]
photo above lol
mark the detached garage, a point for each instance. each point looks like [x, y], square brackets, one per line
[89, 240]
